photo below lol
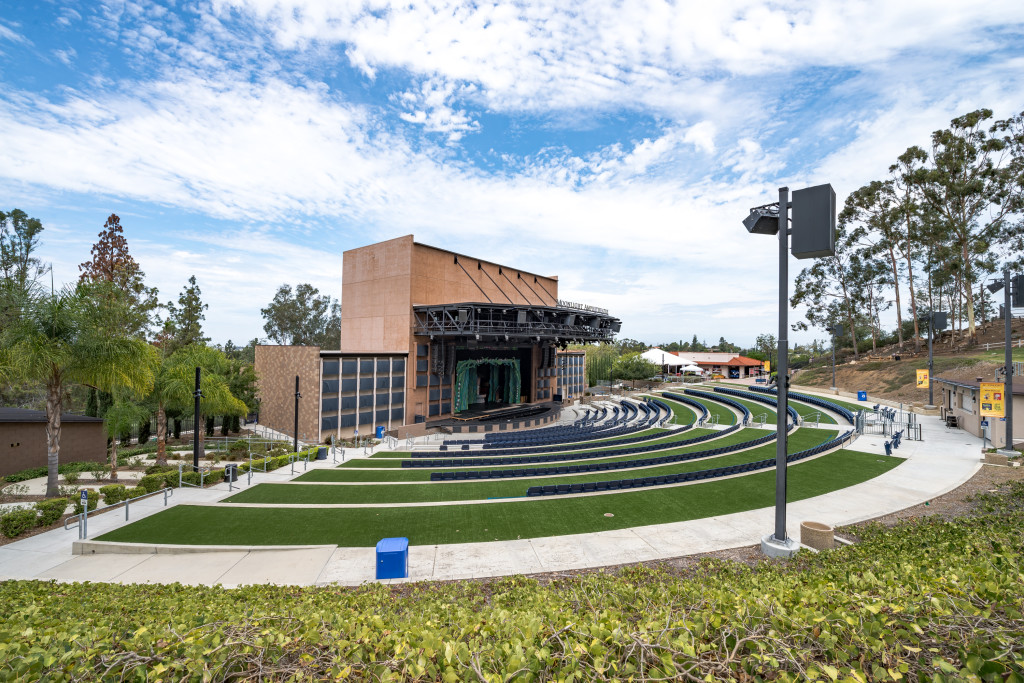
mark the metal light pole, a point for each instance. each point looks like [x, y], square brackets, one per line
[296, 432]
[195, 424]
[1008, 446]
[931, 364]
[814, 227]
[832, 329]
[783, 369]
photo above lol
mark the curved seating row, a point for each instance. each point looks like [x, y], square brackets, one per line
[813, 400]
[531, 445]
[641, 482]
[563, 456]
[767, 400]
[690, 402]
[603, 466]
[722, 399]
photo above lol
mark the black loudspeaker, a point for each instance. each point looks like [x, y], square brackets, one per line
[449, 360]
[436, 358]
[521, 317]
[940, 319]
[1017, 291]
[1002, 312]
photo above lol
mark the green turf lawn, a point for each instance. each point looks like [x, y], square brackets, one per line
[687, 435]
[866, 405]
[725, 415]
[502, 488]
[529, 518]
[681, 414]
[409, 474]
[756, 409]
[806, 411]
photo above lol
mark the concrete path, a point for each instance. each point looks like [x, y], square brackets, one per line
[940, 463]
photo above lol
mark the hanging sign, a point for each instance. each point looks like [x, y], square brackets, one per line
[922, 379]
[767, 366]
[992, 399]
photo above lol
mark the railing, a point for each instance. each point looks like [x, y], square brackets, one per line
[82, 518]
[988, 346]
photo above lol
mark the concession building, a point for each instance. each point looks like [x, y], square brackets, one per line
[432, 336]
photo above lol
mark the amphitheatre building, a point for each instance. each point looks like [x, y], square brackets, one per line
[429, 336]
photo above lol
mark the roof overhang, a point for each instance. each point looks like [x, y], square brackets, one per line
[513, 323]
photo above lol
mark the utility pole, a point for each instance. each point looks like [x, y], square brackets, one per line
[1008, 317]
[783, 370]
[295, 445]
[197, 395]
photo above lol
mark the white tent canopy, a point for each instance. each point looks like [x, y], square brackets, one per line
[691, 368]
[659, 357]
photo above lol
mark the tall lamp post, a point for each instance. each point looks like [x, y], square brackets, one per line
[297, 397]
[936, 321]
[836, 330]
[197, 395]
[1012, 293]
[814, 236]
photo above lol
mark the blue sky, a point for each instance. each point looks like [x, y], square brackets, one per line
[617, 145]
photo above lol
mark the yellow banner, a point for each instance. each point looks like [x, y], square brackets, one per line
[767, 366]
[922, 379]
[992, 399]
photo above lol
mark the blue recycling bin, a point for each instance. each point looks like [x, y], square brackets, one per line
[862, 395]
[380, 432]
[393, 558]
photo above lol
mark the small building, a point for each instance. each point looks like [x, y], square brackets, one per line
[727, 365]
[23, 439]
[960, 399]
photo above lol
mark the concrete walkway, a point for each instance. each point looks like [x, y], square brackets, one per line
[940, 463]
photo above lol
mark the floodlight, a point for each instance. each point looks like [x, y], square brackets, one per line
[763, 220]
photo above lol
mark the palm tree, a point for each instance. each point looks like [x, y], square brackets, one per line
[54, 339]
[175, 384]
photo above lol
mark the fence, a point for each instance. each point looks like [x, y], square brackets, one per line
[887, 422]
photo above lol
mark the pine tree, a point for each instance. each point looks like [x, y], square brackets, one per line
[126, 303]
[184, 320]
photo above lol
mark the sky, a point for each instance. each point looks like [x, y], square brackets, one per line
[617, 145]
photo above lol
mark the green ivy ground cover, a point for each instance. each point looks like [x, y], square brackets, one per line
[228, 525]
[496, 488]
[408, 474]
[339, 473]
[928, 600]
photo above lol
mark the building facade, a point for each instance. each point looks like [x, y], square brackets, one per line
[428, 334]
[23, 439]
[960, 399]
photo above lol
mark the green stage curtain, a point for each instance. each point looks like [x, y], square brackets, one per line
[466, 381]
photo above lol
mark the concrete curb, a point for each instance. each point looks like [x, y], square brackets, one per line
[113, 547]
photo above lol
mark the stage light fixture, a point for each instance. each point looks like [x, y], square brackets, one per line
[995, 286]
[763, 220]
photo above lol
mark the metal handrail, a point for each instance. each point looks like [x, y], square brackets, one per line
[82, 518]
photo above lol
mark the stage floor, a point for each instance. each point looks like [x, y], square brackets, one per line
[495, 412]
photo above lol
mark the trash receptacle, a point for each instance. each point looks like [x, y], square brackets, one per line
[321, 453]
[393, 558]
[230, 472]
[380, 432]
[888, 448]
[862, 395]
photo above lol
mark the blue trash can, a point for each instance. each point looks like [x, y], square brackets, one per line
[380, 432]
[321, 453]
[862, 395]
[393, 558]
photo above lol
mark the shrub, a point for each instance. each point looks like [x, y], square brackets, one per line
[240, 446]
[214, 477]
[152, 482]
[113, 493]
[51, 510]
[94, 501]
[99, 471]
[17, 522]
[71, 478]
[189, 478]
[158, 469]
[136, 491]
[144, 431]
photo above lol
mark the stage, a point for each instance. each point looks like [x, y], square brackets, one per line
[487, 417]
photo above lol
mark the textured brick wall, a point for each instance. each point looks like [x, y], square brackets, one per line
[276, 367]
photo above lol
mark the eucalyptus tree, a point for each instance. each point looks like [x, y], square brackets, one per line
[970, 188]
[55, 339]
[904, 176]
[874, 211]
[831, 288]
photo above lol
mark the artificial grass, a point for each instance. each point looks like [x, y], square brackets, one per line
[529, 518]
[725, 415]
[408, 474]
[756, 409]
[502, 488]
[806, 410]
[685, 436]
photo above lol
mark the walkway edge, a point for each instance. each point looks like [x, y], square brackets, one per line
[114, 547]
